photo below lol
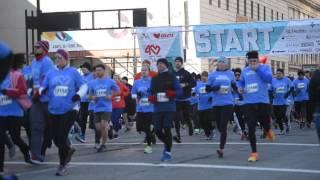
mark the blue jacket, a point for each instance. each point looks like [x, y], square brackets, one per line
[204, 97]
[301, 89]
[9, 106]
[255, 84]
[279, 88]
[101, 88]
[62, 85]
[39, 70]
[223, 79]
[142, 87]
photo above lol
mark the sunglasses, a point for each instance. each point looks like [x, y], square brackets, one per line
[37, 47]
[237, 74]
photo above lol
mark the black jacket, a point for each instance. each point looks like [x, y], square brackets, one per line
[314, 88]
[185, 77]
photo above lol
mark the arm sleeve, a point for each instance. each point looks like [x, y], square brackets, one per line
[265, 73]
[20, 90]
[177, 87]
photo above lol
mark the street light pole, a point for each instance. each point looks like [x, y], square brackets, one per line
[169, 19]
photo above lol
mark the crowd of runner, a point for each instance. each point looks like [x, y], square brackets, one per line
[53, 101]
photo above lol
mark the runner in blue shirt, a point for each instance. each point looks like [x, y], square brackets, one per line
[221, 83]
[100, 91]
[301, 97]
[254, 86]
[281, 89]
[64, 86]
[141, 91]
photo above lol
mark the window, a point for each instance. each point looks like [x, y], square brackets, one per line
[227, 5]
[245, 7]
[258, 12]
[271, 14]
[219, 3]
[251, 9]
[264, 13]
[238, 6]
[277, 15]
[210, 2]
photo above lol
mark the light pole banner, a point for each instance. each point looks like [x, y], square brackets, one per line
[269, 38]
[155, 43]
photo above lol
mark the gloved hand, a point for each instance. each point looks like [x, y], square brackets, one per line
[208, 88]
[4, 91]
[36, 96]
[193, 94]
[170, 93]
[210, 99]
[139, 94]
[215, 88]
[240, 97]
[75, 98]
[152, 99]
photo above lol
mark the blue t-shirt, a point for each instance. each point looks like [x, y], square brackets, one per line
[9, 106]
[203, 96]
[255, 84]
[87, 78]
[100, 88]
[142, 86]
[62, 85]
[39, 70]
[279, 88]
[301, 89]
[223, 79]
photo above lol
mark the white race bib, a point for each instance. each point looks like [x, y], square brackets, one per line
[61, 91]
[224, 90]
[5, 100]
[144, 102]
[300, 85]
[117, 98]
[202, 90]
[161, 97]
[252, 88]
[280, 90]
[101, 93]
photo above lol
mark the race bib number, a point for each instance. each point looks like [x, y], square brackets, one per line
[101, 93]
[280, 90]
[224, 90]
[252, 88]
[61, 91]
[202, 90]
[144, 102]
[5, 100]
[161, 97]
[300, 85]
[117, 99]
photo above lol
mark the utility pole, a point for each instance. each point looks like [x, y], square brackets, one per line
[169, 19]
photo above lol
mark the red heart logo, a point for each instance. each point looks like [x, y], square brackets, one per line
[156, 35]
[155, 49]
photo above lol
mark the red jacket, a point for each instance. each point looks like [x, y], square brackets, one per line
[118, 100]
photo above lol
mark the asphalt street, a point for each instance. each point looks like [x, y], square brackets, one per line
[295, 156]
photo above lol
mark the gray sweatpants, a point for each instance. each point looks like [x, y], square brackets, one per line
[38, 119]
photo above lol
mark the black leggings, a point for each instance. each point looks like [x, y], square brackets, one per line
[83, 119]
[166, 138]
[280, 114]
[253, 113]
[13, 125]
[61, 125]
[223, 115]
[206, 121]
[144, 121]
[183, 116]
[239, 110]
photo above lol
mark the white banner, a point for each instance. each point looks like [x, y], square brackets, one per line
[155, 43]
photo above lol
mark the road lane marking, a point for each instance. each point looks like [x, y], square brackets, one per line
[179, 165]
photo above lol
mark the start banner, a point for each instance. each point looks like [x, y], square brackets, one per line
[269, 38]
